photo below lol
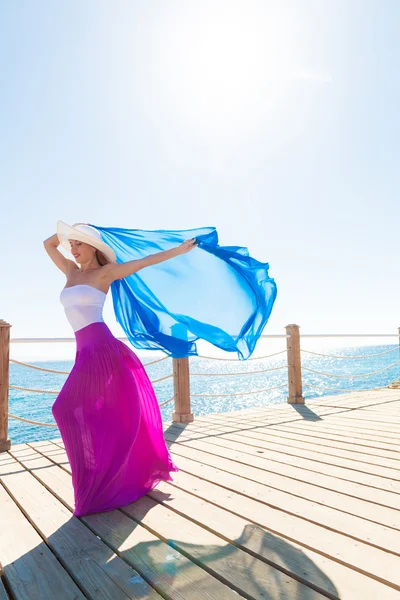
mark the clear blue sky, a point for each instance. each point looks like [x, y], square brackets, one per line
[277, 122]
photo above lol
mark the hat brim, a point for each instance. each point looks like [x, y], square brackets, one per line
[65, 233]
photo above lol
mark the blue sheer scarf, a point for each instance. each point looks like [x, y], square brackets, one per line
[215, 293]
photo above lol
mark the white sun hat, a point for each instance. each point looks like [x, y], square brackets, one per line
[83, 233]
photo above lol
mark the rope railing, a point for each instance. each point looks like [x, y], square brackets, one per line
[360, 376]
[238, 373]
[322, 387]
[277, 387]
[166, 401]
[24, 389]
[53, 392]
[341, 390]
[181, 374]
[350, 357]
[162, 378]
[23, 364]
[38, 423]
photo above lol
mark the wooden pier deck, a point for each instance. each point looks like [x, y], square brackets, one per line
[285, 502]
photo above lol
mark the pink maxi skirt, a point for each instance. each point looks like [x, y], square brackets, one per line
[110, 423]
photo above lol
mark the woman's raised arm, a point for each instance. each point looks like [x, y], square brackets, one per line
[121, 270]
[51, 245]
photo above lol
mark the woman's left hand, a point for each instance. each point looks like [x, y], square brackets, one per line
[187, 246]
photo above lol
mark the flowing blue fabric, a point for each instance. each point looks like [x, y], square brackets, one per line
[215, 293]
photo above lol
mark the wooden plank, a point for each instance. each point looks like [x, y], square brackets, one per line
[325, 436]
[329, 441]
[379, 448]
[31, 570]
[335, 449]
[310, 468]
[250, 576]
[354, 471]
[379, 419]
[364, 421]
[320, 425]
[253, 482]
[351, 418]
[98, 571]
[310, 490]
[378, 396]
[169, 527]
[298, 413]
[371, 561]
[379, 401]
[318, 570]
[272, 414]
[323, 480]
[175, 574]
[145, 552]
[384, 441]
[387, 467]
[344, 577]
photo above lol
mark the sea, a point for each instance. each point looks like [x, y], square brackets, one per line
[216, 384]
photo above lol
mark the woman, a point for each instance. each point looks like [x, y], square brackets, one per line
[107, 411]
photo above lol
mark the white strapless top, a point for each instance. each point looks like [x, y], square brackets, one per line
[83, 305]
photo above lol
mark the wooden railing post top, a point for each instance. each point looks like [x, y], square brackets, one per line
[4, 323]
[292, 327]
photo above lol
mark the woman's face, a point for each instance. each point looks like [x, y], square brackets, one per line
[81, 252]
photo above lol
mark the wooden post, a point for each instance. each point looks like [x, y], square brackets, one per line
[294, 365]
[182, 413]
[5, 443]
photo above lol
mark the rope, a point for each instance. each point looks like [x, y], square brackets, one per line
[240, 394]
[234, 374]
[54, 425]
[166, 402]
[153, 362]
[29, 421]
[162, 378]
[350, 357]
[352, 376]
[17, 387]
[236, 360]
[17, 362]
[24, 389]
